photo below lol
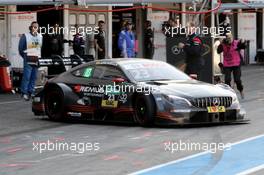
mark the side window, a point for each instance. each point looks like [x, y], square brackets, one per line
[83, 72]
[98, 72]
[107, 72]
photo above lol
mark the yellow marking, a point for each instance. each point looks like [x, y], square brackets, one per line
[216, 109]
[108, 103]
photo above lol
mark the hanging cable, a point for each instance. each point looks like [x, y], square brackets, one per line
[219, 3]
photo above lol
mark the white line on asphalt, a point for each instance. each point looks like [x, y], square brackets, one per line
[191, 156]
[10, 102]
[252, 170]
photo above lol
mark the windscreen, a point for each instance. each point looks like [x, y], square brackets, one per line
[151, 71]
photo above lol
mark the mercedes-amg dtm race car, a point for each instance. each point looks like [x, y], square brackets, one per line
[136, 90]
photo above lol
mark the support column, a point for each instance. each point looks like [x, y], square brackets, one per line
[66, 35]
[183, 16]
[140, 18]
[110, 33]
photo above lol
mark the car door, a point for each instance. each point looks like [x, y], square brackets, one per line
[86, 87]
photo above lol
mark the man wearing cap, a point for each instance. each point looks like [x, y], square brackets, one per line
[126, 41]
[193, 50]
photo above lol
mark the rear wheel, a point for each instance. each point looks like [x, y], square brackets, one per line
[54, 104]
[145, 110]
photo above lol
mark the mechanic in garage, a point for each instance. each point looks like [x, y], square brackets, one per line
[193, 50]
[30, 50]
[99, 41]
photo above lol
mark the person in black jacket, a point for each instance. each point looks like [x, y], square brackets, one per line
[149, 40]
[193, 50]
[99, 41]
[53, 42]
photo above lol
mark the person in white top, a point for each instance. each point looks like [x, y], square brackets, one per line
[30, 50]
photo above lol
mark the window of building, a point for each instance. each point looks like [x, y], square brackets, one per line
[101, 17]
[92, 19]
[72, 19]
[82, 19]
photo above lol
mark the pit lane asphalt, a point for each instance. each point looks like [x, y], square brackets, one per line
[123, 149]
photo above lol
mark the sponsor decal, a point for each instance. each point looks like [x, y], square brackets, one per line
[88, 89]
[216, 109]
[123, 98]
[77, 88]
[106, 63]
[134, 66]
[109, 103]
[85, 101]
[75, 114]
[93, 95]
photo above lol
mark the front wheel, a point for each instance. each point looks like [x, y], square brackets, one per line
[145, 110]
[54, 104]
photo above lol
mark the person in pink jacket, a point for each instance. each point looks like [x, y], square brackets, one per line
[232, 60]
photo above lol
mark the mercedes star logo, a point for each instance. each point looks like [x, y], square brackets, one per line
[216, 101]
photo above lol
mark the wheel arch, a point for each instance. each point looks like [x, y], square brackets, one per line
[66, 90]
[152, 96]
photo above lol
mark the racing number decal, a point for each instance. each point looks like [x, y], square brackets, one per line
[111, 97]
[122, 98]
[87, 72]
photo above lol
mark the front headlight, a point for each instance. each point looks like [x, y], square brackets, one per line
[235, 100]
[177, 100]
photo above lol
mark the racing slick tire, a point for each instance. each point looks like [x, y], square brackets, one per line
[54, 104]
[145, 110]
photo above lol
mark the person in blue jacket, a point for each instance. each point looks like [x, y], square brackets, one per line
[30, 50]
[126, 41]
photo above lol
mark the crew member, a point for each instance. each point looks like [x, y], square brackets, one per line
[126, 41]
[30, 50]
[232, 60]
[99, 40]
[193, 50]
[149, 40]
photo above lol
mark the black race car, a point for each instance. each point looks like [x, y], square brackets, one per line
[136, 90]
